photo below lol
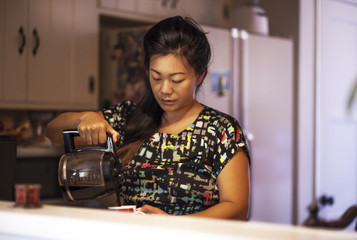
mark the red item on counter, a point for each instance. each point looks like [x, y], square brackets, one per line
[20, 194]
[128, 208]
[27, 195]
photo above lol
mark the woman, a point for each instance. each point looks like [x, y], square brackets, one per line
[178, 156]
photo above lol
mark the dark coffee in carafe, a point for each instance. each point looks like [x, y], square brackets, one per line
[87, 173]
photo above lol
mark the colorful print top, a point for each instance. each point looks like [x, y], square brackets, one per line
[178, 172]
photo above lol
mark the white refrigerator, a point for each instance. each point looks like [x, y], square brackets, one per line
[251, 78]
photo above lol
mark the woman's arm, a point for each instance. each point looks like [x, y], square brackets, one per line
[92, 127]
[234, 192]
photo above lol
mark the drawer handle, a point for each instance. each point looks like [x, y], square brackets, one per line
[37, 41]
[23, 38]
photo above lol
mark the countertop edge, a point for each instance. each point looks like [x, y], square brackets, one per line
[58, 222]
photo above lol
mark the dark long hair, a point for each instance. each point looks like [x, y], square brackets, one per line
[179, 36]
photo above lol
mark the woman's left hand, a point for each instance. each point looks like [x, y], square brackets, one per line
[151, 210]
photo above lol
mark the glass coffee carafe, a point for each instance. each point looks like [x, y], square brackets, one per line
[89, 172]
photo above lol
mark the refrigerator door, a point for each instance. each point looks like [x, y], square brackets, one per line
[268, 115]
[259, 93]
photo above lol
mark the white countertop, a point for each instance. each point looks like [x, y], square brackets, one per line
[55, 222]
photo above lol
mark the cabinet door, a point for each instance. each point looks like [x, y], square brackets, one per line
[15, 50]
[61, 59]
[84, 87]
[126, 5]
[38, 77]
[2, 12]
[163, 8]
[110, 4]
[145, 6]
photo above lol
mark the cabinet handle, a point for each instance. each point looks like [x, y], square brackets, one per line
[164, 3]
[174, 4]
[91, 84]
[23, 38]
[37, 41]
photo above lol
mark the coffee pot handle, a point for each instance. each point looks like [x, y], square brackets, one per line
[69, 146]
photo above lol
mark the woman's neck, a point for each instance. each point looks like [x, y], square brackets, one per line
[174, 122]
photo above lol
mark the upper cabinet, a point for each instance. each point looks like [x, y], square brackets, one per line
[208, 12]
[49, 58]
[85, 88]
[15, 50]
[2, 4]
[49, 48]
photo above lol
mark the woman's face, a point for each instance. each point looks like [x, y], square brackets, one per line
[173, 82]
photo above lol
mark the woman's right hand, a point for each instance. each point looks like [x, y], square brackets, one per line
[93, 128]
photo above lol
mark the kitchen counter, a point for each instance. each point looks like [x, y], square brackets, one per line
[44, 152]
[60, 222]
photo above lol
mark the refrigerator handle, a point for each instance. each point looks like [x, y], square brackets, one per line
[235, 73]
[243, 84]
[239, 77]
[239, 72]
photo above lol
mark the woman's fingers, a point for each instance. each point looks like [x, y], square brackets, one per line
[94, 129]
[90, 133]
[114, 134]
[95, 137]
[102, 137]
[150, 209]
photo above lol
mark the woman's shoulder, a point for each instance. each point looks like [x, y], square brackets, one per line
[216, 117]
[127, 104]
[124, 106]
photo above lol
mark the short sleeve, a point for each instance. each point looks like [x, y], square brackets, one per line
[230, 139]
[117, 115]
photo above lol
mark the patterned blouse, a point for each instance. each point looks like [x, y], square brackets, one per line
[178, 172]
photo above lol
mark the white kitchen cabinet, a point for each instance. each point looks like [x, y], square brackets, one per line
[110, 4]
[208, 12]
[161, 8]
[38, 79]
[126, 5]
[84, 90]
[145, 6]
[2, 12]
[123, 5]
[164, 8]
[57, 68]
[26, 45]
[15, 50]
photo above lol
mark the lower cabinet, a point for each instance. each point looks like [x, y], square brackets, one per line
[39, 170]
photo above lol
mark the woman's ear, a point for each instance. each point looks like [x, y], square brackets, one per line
[200, 78]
